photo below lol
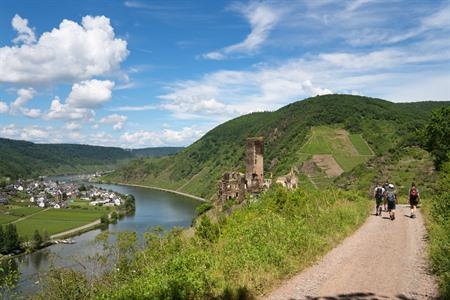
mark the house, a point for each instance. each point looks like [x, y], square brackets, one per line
[3, 201]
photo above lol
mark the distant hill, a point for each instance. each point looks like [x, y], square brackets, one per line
[155, 152]
[196, 169]
[27, 159]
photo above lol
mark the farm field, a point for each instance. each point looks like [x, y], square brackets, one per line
[360, 144]
[334, 151]
[6, 218]
[8, 215]
[54, 221]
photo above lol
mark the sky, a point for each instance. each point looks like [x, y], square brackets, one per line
[135, 73]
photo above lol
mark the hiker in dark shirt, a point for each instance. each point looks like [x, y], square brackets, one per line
[414, 198]
[378, 194]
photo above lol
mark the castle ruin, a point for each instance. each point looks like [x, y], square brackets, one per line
[232, 186]
[235, 185]
[254, 164]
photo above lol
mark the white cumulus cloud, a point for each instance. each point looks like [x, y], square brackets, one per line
[18, 106]
[3, 107]
[61, 111]
[143, 138]
[71, 52]
[24, 33]
[82, 100]
[90, 93]
[115, 119]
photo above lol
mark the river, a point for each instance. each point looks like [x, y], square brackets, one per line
[153, 207]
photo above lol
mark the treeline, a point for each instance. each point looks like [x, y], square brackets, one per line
[11, 242]
[9, 239]
[21, 159]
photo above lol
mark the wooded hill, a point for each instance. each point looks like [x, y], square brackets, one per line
[196, 169]
[21, 159]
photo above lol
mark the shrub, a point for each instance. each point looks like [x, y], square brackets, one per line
[438, 220]
[207, 230]
[201, 209]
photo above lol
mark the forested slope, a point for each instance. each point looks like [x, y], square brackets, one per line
[196, 169]
[26, 159]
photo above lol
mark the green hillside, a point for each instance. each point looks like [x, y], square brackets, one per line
[330, 151]
[196, 169]
[20, 159]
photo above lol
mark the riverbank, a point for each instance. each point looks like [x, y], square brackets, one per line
[62, 235]
[161, 189]
[79, 230]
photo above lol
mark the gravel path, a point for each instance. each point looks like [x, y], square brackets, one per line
[383, 259]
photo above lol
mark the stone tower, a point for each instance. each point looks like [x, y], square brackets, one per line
[254, 164]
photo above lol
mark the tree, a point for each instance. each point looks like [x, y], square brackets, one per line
[130, 205]
[104, 219]
[37, 239]
[207, 230]
[12, 241]
[2, 240]
[436, 136]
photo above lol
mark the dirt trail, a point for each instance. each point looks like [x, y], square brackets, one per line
[383, 259]
[28, 216]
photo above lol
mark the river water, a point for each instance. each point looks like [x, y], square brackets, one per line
[153, 207]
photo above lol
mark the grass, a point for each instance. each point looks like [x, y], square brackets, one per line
[316, 145]
[347, 163]
[437, 212]
[360, 144]
[24, 211]
[401, 168]
[256, 246]
[5, 219]
[57, 220]
[12, 213]
[349, 150]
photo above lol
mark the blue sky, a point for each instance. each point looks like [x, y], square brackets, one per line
[162, 73]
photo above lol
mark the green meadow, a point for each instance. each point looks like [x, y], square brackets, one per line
[56, 220]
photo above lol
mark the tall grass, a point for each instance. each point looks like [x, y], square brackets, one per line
[437, 211]
[241, 255]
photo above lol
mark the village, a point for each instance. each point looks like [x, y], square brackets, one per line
[55, 194]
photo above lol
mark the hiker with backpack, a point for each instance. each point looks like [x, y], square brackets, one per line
[378, 194]
[385, 186]
[391, 199]
[414, 198]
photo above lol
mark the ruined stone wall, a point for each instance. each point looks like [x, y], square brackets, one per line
[232, 186]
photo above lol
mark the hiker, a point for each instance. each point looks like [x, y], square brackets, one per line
[414, 198]
[391, 199]
[378, 194]
[385, 186]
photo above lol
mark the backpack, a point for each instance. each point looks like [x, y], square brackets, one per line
[413, 192]
[379, 193]
[390, 196]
